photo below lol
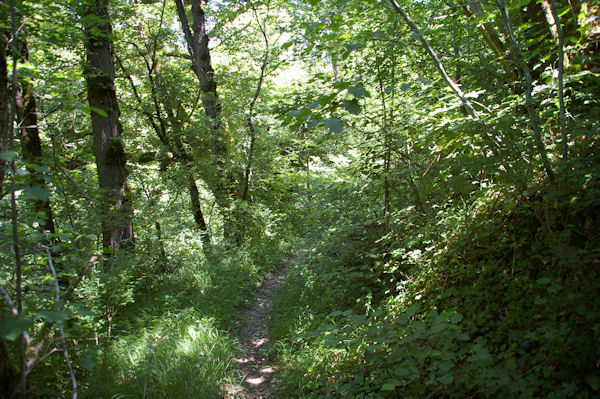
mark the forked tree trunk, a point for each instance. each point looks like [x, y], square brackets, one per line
[116, 212]
[219, 178]
[172, 143]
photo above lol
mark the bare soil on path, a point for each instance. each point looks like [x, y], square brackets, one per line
[257, 373]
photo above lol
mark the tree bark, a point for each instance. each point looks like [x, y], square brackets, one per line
[534, 122]
[171, 143]
[438, 63]
[4, 100]
[116, 211]
[8, 374]
[561, 94]
[249, 119]
[197, 40]
[474, 9]
[31, 144]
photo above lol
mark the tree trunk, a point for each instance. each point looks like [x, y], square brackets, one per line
[219, 178]
[534, 122]
[561, 94]
[4, 99]
[31, 143]
[487, 31]
[8, 374]
[438, 63]
[117, 225]
[171, 142]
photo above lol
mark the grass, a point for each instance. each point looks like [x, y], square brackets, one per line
[177, 336]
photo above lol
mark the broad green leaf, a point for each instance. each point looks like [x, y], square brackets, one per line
[445, 366]
[298, 113]
[593, 381]
[358, 92]
[355, 46]
[388, 387]
[53, 317]
[99, 111]
[88, 361]
[543, 280]
[352, 106]
[446, 379]
[410, 310]
[334, 124]
[540, 301]
[8, 156]
[12, 326]
[326, 99]
[37, 193]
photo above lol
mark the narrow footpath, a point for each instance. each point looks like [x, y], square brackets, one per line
[258, 375]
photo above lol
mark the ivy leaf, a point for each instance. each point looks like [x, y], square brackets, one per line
[12, 326]
[334, 124]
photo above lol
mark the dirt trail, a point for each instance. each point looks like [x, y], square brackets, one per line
[258, 374]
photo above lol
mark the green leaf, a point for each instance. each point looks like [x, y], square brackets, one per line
[355, 46]
[410, 310]
[358, 92]
[593, 381]
[99, 111]
[12, 326]
[446, 379]
[388, 387]
[334, 124]
[88, 361]
[326, 99]
[463, 337]
[8, 156]
[37, 193]
[445, 366]
[456, 318]
[540, 301]
[543, 280]
[352, 106]
[298, 113]
[83, 312]
[53, 317]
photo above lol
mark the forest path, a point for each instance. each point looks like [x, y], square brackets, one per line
[258, 374]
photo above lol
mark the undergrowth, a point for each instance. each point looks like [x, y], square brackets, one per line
[494, 297]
